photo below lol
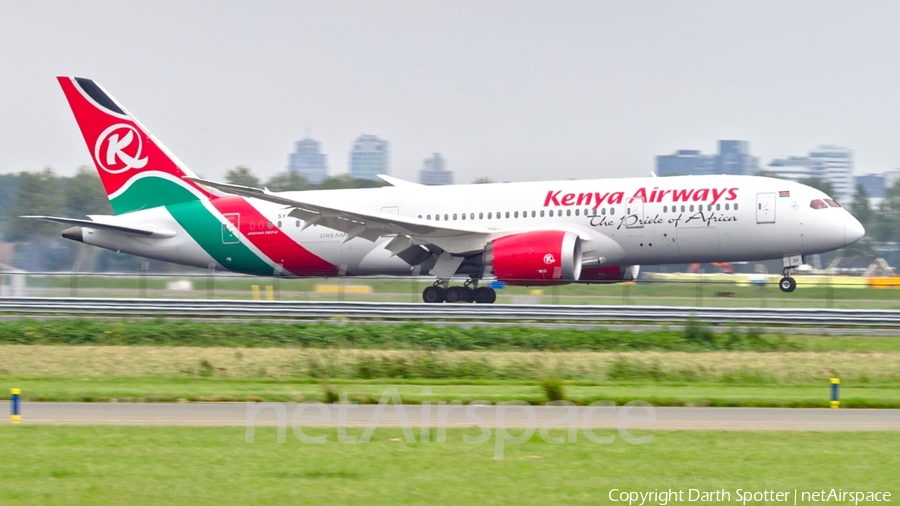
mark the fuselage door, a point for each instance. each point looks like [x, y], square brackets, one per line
[230, 228]
[634, 213]
[765, 208]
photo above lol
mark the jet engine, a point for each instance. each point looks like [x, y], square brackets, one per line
[546, 257]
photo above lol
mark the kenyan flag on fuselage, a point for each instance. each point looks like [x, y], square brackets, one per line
[139, 173]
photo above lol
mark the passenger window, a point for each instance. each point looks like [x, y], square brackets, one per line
[297, 224]
[682, 208]
[603, 211]
[446, 217]
[735, 206]
[516, 215]
[542, 213]
[832, 203]
[818, 204]
[507, 214]
[437, 217]
[279, 222]
[568, 212]
[612, 211]
[577, 211]
[665, 209]
[709, 207]
[428, 217]
[533, 214]
[480, 216]
[463, 216]
[718, 207]
[454, 216]
[726, 206]
[551, 213]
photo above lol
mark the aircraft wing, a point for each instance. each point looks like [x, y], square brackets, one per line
[357, 222]
[122, 229]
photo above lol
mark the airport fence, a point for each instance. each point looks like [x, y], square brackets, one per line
[699, 290]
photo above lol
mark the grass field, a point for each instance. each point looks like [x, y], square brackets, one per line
[717, 378]
[142, 465]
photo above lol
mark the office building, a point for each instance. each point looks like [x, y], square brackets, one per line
[434, 171]
[307, 161]
[873, 183]
[733, 158]
[369, 157]
[829, 163]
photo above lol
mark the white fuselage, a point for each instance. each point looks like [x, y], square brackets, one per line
[631, 221]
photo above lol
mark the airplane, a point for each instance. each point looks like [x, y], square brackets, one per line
[527, 233]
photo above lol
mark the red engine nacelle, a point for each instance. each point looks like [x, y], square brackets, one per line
[547, 257]
[610, 273]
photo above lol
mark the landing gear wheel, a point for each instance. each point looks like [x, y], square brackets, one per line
[433, 295]
[485, 295]
[455, 294]
[787, 284]
[470, 293]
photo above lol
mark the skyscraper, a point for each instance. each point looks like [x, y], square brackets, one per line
[735, 158]
[369, 157]
[434, 171]
[307, 161]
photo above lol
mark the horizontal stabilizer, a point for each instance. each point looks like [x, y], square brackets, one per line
[148, 231]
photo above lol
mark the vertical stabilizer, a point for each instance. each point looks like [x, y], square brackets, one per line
[137, 171]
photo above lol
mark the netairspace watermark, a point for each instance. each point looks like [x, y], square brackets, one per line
[391, 412]
[742, 496]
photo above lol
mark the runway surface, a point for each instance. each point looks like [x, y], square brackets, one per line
[454, 416]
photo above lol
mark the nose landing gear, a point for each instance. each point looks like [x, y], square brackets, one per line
[787, 284]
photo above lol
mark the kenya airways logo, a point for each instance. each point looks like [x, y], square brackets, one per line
[119, 148]
[549, 259]
[596, 199]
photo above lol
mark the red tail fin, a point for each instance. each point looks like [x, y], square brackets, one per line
[137, 171]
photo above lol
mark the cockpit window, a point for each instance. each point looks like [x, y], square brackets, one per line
[832, 203]
[818, 204]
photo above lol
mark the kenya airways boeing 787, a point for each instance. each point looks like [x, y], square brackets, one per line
[534, 233]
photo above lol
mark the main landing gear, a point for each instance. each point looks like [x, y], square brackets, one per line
[469, 292]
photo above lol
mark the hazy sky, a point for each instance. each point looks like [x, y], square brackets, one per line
[514, 90]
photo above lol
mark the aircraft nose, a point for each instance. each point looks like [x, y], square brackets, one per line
[853, 231]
